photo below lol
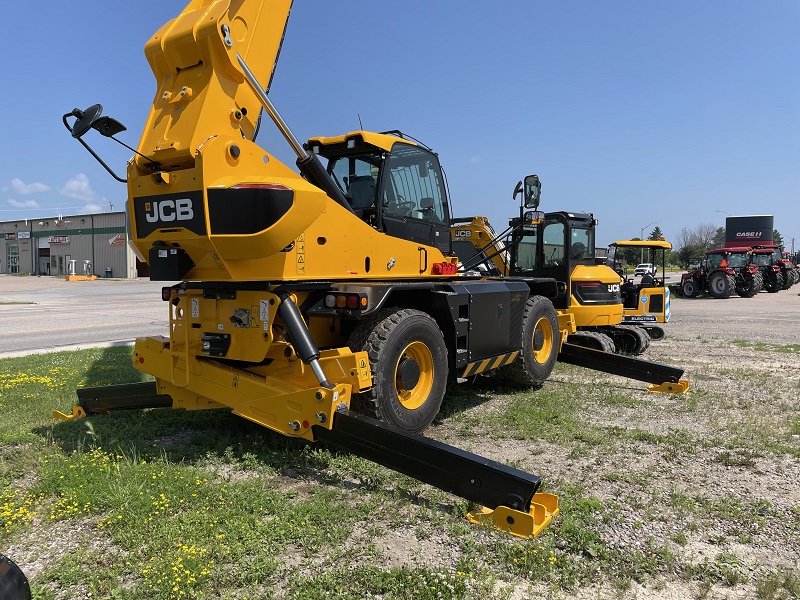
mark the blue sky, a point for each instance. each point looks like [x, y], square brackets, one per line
[643, 113]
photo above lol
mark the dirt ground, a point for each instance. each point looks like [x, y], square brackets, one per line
[727, 489]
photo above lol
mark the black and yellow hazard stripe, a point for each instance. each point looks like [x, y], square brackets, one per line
[489, 364]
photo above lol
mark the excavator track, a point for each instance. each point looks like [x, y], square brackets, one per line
[592, 339]
[629, 339]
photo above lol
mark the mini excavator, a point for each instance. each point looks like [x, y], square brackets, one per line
[304, 296]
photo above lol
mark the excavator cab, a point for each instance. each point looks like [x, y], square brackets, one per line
[393, 184]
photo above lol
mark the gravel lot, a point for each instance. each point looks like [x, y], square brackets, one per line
[714, 474]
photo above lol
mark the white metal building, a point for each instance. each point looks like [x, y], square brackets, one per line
[93, 244]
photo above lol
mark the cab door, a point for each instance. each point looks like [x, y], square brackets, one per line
[413, 197]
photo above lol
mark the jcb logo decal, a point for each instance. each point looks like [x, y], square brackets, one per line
[169, 210]
[463, 233]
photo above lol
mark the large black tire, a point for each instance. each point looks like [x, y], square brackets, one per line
[788, 278]
[750, 286]
[775, 282]
[540, 344]
[593, 340]
[720, 285]
[690, 288]
[408, 358]
[13, 583]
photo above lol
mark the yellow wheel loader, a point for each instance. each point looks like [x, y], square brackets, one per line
[300, 295]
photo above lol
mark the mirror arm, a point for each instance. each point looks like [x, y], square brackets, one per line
[92, 152]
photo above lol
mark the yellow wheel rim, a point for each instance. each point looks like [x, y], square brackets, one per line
[413, 390]
[543, 338]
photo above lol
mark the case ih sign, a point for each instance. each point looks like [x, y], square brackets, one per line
[748, 231]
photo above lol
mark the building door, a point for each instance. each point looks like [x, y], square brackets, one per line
[12, 258]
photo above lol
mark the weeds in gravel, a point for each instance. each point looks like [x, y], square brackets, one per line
[779, 584]
[762, 347]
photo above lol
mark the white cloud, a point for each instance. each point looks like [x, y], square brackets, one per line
[25, 204]
[25, 189]
[475, 159]
[79, 188]
[91, 207]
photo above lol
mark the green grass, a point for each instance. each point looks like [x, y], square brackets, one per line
[163, 504]
[764, 347]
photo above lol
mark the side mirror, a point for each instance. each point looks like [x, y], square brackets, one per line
[533, 217]
[533, 191]
[91, 119]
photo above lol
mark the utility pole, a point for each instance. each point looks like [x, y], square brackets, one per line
[641, 237]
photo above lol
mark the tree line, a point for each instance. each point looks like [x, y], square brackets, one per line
[689, 246]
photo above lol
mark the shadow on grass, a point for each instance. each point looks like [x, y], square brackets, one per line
[191, 437]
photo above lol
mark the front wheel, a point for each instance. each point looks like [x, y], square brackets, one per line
[408, 358]
[541, 341]
[690, 289]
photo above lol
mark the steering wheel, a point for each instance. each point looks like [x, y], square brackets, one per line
[577, 250]
[406, 206]
[552, 264]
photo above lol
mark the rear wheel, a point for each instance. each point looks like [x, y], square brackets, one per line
[775, 283]
[408, 358]
[750, 286]
[540, 344]
[720, 285]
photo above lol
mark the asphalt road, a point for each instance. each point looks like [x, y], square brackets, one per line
[45, 314]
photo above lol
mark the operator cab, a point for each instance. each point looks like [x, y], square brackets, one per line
[562, 242]
[394, 184]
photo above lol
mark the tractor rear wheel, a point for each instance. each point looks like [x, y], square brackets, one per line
[408, 358]
[540, 344]
[750, 286]
[775, 283]
[720, 285]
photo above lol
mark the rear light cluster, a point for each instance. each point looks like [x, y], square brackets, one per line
[444, 268]
[346, 301]
[596, 291]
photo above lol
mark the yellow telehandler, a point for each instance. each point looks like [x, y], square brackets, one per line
[301, 293]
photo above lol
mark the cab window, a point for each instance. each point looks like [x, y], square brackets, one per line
[714, 261]
[357, 177]
[553, 244]
[581, 243]
[413, 186]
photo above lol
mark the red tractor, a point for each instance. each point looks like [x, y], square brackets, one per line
[788, 270]
[713, 276]
[771, 271]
